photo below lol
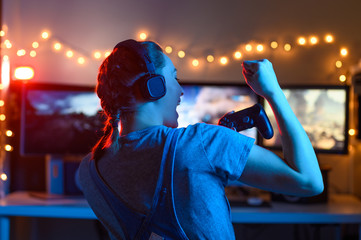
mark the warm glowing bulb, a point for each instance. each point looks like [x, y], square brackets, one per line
[2, 103]
[107, 53]
[21, 52]
[238, 55]
[143, 36]
[223, 60]
[81, 60]
[35, 44]
[57, 46]
[45, 35]
[69, 54]
[338, 64]
[274, 44]
[1, 86]
[97, 55]
[32, 53]
[342, 78]
[352, 132]
[9, 133]
[343, 51]
[210, 58]
[287, 47]
[2, 33]
[260, 48]
[195, 62]
[181, 54]
[329, 38]
[313, 40]
[24, 73]
[301, 41]
[248, 47]
[8, 148]
[3, 177]
[2, 117]
[168, 49]
[8, 43]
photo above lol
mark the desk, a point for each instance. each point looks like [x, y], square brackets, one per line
[339, 210]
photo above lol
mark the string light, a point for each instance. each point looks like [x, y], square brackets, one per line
[2, 117]
[313, 40]
[237, 55]
[9, 133]
[287, 47]
[69, 54]
[57, 46]
[107, 53]
[181, 54]
[97, 55]
[8, 44]
[260, 48]
[338, 64]
[21, 52]
[274, 44]
[301, 41]
[195, 62]
[210, 58]
[342, 78]
[343, 52]
[35, 44]
[32, 53]
[168, 49]
[81, 60]
[45, 35]
[4, 177]
[248, 47]
[2, 103]
[223, 60]
[329, 38]
[8, 148]
[352, 132]
[143, 36]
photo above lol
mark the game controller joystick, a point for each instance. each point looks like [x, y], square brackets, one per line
[254, 116]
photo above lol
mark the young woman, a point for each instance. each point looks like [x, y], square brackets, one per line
[148, 179]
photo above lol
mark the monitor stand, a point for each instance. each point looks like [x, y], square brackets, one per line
[54, 174]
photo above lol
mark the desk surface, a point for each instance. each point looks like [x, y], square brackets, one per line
[25, 205]
[339, 209]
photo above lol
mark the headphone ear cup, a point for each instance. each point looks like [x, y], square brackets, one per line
[153, 88]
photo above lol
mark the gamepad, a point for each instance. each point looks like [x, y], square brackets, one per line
[254, 116]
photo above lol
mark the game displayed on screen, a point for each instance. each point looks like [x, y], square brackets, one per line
[60, 121]
[208, 103]
[323, 115]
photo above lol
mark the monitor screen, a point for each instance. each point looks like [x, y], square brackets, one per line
[58, 119]
[323, 113]
[208, 103]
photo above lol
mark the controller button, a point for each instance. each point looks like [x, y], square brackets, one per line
[246, 119]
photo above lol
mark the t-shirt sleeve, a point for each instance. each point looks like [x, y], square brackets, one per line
[226, 150]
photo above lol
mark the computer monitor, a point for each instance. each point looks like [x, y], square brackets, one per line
[323, 113]
[205, 102]
[59, 119]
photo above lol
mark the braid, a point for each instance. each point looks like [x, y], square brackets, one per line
[115, 87]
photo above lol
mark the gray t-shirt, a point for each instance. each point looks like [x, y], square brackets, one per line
[207, 157]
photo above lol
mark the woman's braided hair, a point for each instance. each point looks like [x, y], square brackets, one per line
[117, 91]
